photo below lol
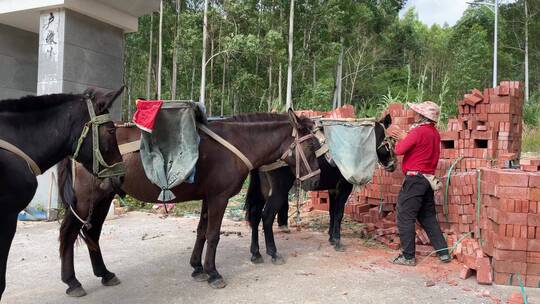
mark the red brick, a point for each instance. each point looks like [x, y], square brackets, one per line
[510, 267]
[512, 218]
[533, 269]
[510, 243]
[502, 278]
[515, 178]
[484, 274]
[514, 193]
[533, 244]
[510, 255]
[515, 298]
[534, 180]
[534, 194]
[533, 219]
[465, 273]
[531, 232]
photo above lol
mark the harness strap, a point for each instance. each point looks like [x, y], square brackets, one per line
[130, 147]
[13, 149]
[86, 223]
[273, 166]
[226, 144]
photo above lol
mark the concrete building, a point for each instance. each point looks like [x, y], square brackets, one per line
[64, 46]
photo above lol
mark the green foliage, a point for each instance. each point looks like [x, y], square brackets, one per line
[386, 58]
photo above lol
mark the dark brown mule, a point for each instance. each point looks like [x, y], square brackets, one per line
[47, 129]
[263, 138]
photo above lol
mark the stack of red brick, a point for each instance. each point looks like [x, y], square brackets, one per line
[510, 224]
[487, 135]
[347, 111]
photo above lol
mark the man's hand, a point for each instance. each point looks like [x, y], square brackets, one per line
[396, 132]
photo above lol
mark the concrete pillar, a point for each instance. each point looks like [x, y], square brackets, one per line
[18, 62]
[75, 52]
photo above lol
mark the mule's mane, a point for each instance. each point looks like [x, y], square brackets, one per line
[35, 103]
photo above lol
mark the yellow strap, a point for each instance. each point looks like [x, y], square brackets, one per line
[226, 144]
[13, 149]
[130, 147]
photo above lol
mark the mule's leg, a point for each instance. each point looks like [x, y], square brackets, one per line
[216, 210]
[255, 216]
[196, 256]
[275, 202]
[8, 225]
[98, 265]
[283, 217]
[343, 191]
[331, 214]
[70, 235]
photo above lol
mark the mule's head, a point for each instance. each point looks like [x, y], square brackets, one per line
[385, 145]
[302, 159]
[95, 142]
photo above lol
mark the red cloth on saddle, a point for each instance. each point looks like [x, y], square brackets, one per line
[146, 114]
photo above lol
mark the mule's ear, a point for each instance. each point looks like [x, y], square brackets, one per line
[386, 121]
[105, 101]
[293, 118]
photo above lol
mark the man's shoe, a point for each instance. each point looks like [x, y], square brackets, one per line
[402, 260]
[445, 258]
[284, 229]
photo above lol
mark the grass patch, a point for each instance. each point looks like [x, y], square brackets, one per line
[187, 208]
[531, 140]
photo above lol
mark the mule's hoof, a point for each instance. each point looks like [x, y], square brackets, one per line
[199, 276]
[339, 247]
[278, 260]
[217, 283]
[332, 241]
[257, 259]
[76, 292]
[113, 281]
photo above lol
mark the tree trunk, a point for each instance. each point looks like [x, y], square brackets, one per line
[288, 103]
[175, 52]
[149, 69]
[160, 49]
[210, 96]
[280, 81]
[223, 83]
[203, 61]
[339, 73]
[192, 77]
[526, 52]
[314, 73]
[270, 85]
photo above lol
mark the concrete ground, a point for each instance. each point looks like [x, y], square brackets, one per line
[156, 270]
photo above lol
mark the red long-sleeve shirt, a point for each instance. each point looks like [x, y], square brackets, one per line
[420, 149]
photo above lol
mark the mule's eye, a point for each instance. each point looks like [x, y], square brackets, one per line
[111, 131]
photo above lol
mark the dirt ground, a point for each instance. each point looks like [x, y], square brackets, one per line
[156, 269]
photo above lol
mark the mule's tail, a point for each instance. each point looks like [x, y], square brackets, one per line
[69, 200]
[254, 197]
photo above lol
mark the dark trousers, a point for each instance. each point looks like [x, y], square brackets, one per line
[416, 201]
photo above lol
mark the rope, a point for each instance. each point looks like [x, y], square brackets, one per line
[522, 289]
[450, 249]
[445, 202]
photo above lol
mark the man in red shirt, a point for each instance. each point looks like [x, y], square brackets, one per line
[420, 148]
